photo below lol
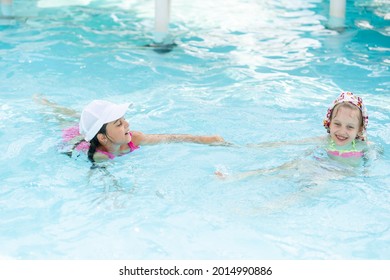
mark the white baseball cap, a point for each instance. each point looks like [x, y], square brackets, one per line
[96, 114]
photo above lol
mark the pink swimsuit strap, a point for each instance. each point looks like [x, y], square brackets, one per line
[112, 156]
[108, 154]
[346, 154]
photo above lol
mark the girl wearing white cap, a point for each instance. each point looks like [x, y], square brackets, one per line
[104, 133]
[103, 125]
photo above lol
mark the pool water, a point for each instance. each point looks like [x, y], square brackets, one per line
[250, 71]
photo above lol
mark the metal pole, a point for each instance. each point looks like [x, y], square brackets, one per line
[161, 16]
[337, 14]
[6, 8]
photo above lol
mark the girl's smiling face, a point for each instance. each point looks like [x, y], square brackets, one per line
[345, 124]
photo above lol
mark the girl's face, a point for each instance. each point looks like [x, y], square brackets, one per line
[118, 131]
[345, 125]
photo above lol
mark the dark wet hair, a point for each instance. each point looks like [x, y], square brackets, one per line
[95, 142]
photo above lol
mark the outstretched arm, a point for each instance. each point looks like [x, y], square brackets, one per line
[311, 140]
[266, 171]
[140, 138]
[257, 172]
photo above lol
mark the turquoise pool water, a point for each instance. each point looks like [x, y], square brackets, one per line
[251, 71]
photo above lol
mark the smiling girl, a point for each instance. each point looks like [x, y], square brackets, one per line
[346, 122]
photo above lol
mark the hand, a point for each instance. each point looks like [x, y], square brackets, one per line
[220, 175]
[214, 139]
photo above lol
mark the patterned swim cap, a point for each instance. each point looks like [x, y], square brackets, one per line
[355, 100]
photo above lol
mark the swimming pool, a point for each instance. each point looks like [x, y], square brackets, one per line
[266, 72]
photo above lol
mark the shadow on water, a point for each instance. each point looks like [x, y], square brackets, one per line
[161, 48]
